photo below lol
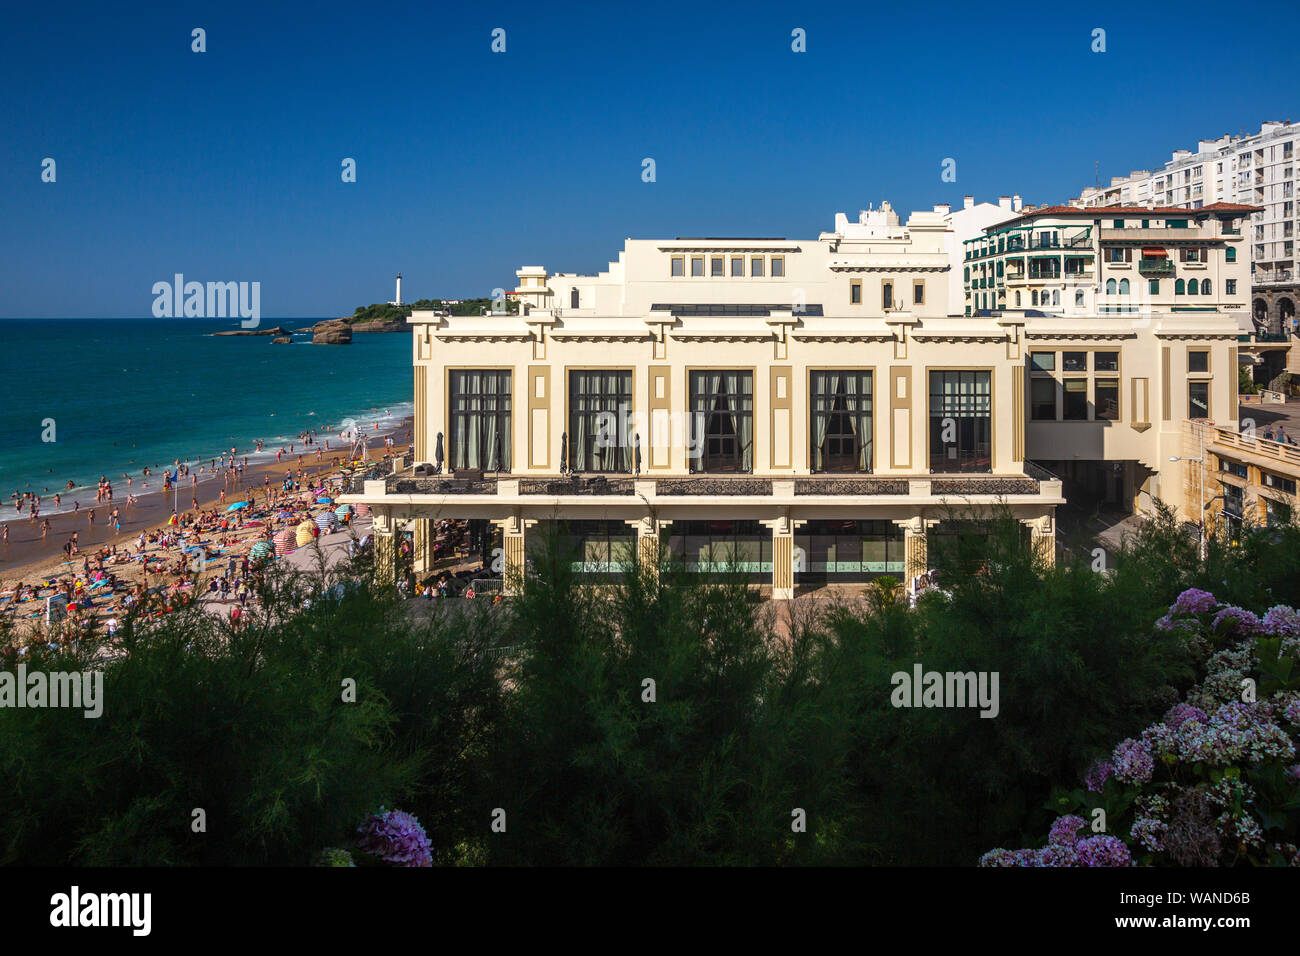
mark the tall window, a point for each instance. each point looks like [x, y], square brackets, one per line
[722, 420]
[778, 267]
[887, 295]
[480, 419]
[961, 421]
[1205, 287]
[855, 292]
[918, 290]
[839, 428]
[697, 265]
[756, 266]
[1198, 399]
[574, 299]
[1230, 254]
[600, 403]
[738, 266]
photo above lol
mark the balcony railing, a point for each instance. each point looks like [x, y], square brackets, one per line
[1289, 454]
[846, 485]
[577, 485]
[1155, 267]
[1268, 278]
[713, 486]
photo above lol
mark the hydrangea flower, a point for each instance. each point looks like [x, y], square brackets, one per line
[1193, 601]
[395, 837]
[1236, 621]
[1103, 850]
[1097, 775]
[1282, 621]
[1133, 761]
[1181, 713]
[1001, 857]
[1065, 831]
[1237, 732]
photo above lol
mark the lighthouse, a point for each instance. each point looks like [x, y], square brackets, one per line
[398, 300]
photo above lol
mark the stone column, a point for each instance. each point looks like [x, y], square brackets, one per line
[385, 549]
[1042, 532]
[782, 558]
[512, 545]
[424, 537]
[647, 542]
[915, 557]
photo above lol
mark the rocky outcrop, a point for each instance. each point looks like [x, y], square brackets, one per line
[274, 330]
[331, 332]
[282, 340]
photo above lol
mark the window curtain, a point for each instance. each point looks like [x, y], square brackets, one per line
[858, 390]
[740, 388]
[821, 418]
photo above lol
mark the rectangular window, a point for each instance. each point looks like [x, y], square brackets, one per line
[1153, 286]
[715, 266]
[1105, 361]
[961, 421]
[1074, 361]
[1105, 399]
[887, 295]
[1233, 499]
[1230, 285]
[1042, 399]
[1232, 467]
[1074, 404]
[756, 266]
[722, 421]
[697, 265]
[1276, 512]
[480, 419]
[1198, 361]
[600, 411]
[1042, 361]
[738, 266]
[918, 293]
[778, 267]
[679, 266]
[1277, 481]
[855, 291]
[1198, 399]
[1189, 255]
[840, 421]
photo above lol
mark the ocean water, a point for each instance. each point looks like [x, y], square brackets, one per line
[128, 394]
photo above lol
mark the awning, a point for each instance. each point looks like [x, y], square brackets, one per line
[1154, 252]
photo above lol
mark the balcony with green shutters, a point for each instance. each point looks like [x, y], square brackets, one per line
[1155, 267]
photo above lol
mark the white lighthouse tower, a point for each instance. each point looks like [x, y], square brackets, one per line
[398, 300]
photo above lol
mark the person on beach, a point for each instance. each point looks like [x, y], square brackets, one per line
[5, 533]
[45, 528]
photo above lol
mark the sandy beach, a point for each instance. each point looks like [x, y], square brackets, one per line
[35, 562]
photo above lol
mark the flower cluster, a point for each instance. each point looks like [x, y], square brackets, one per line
[1065, 849]
[396, 838]
[1200, 786]
[333, 856]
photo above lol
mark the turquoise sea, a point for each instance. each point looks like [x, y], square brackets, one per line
[125, 394]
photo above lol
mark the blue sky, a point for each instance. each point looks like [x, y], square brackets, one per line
[225, 165]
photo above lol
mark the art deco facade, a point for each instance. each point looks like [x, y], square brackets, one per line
[810, 411]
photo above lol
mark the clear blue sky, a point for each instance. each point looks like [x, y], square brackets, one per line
[225, 165]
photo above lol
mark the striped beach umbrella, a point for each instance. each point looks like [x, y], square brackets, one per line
[260, 550]
[306, 532]
[326, 521]
[285, 542]
[341, 510]
[363, 509]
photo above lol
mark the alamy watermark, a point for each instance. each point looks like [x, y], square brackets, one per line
[213, 300]
[83, 690]
[923, 688]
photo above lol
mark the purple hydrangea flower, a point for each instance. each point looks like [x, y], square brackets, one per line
[1193, 601]
[1281, 621]
[1236, 732]
[1133, 761]
[1292, 711]
[1065, 831]
[1181, 713]
[1001, 857]
[1236, 621]
[395, 837]
[1055, 854]
[1103, 850]
[1097, 775]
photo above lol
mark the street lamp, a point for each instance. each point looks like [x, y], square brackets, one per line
[1201, 485]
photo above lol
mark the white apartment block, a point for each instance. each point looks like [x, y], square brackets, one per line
[1257, 170]
[811, 411]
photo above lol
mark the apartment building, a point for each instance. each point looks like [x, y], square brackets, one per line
[815, 411]
[1130, 320]
[1237, 477]
[1259, 170]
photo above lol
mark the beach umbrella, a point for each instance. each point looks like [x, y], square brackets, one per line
[285, 543]
[259, 550]
[237, 505]
[363, 509]
[326, 521]
[341, 510]
[324, 501]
